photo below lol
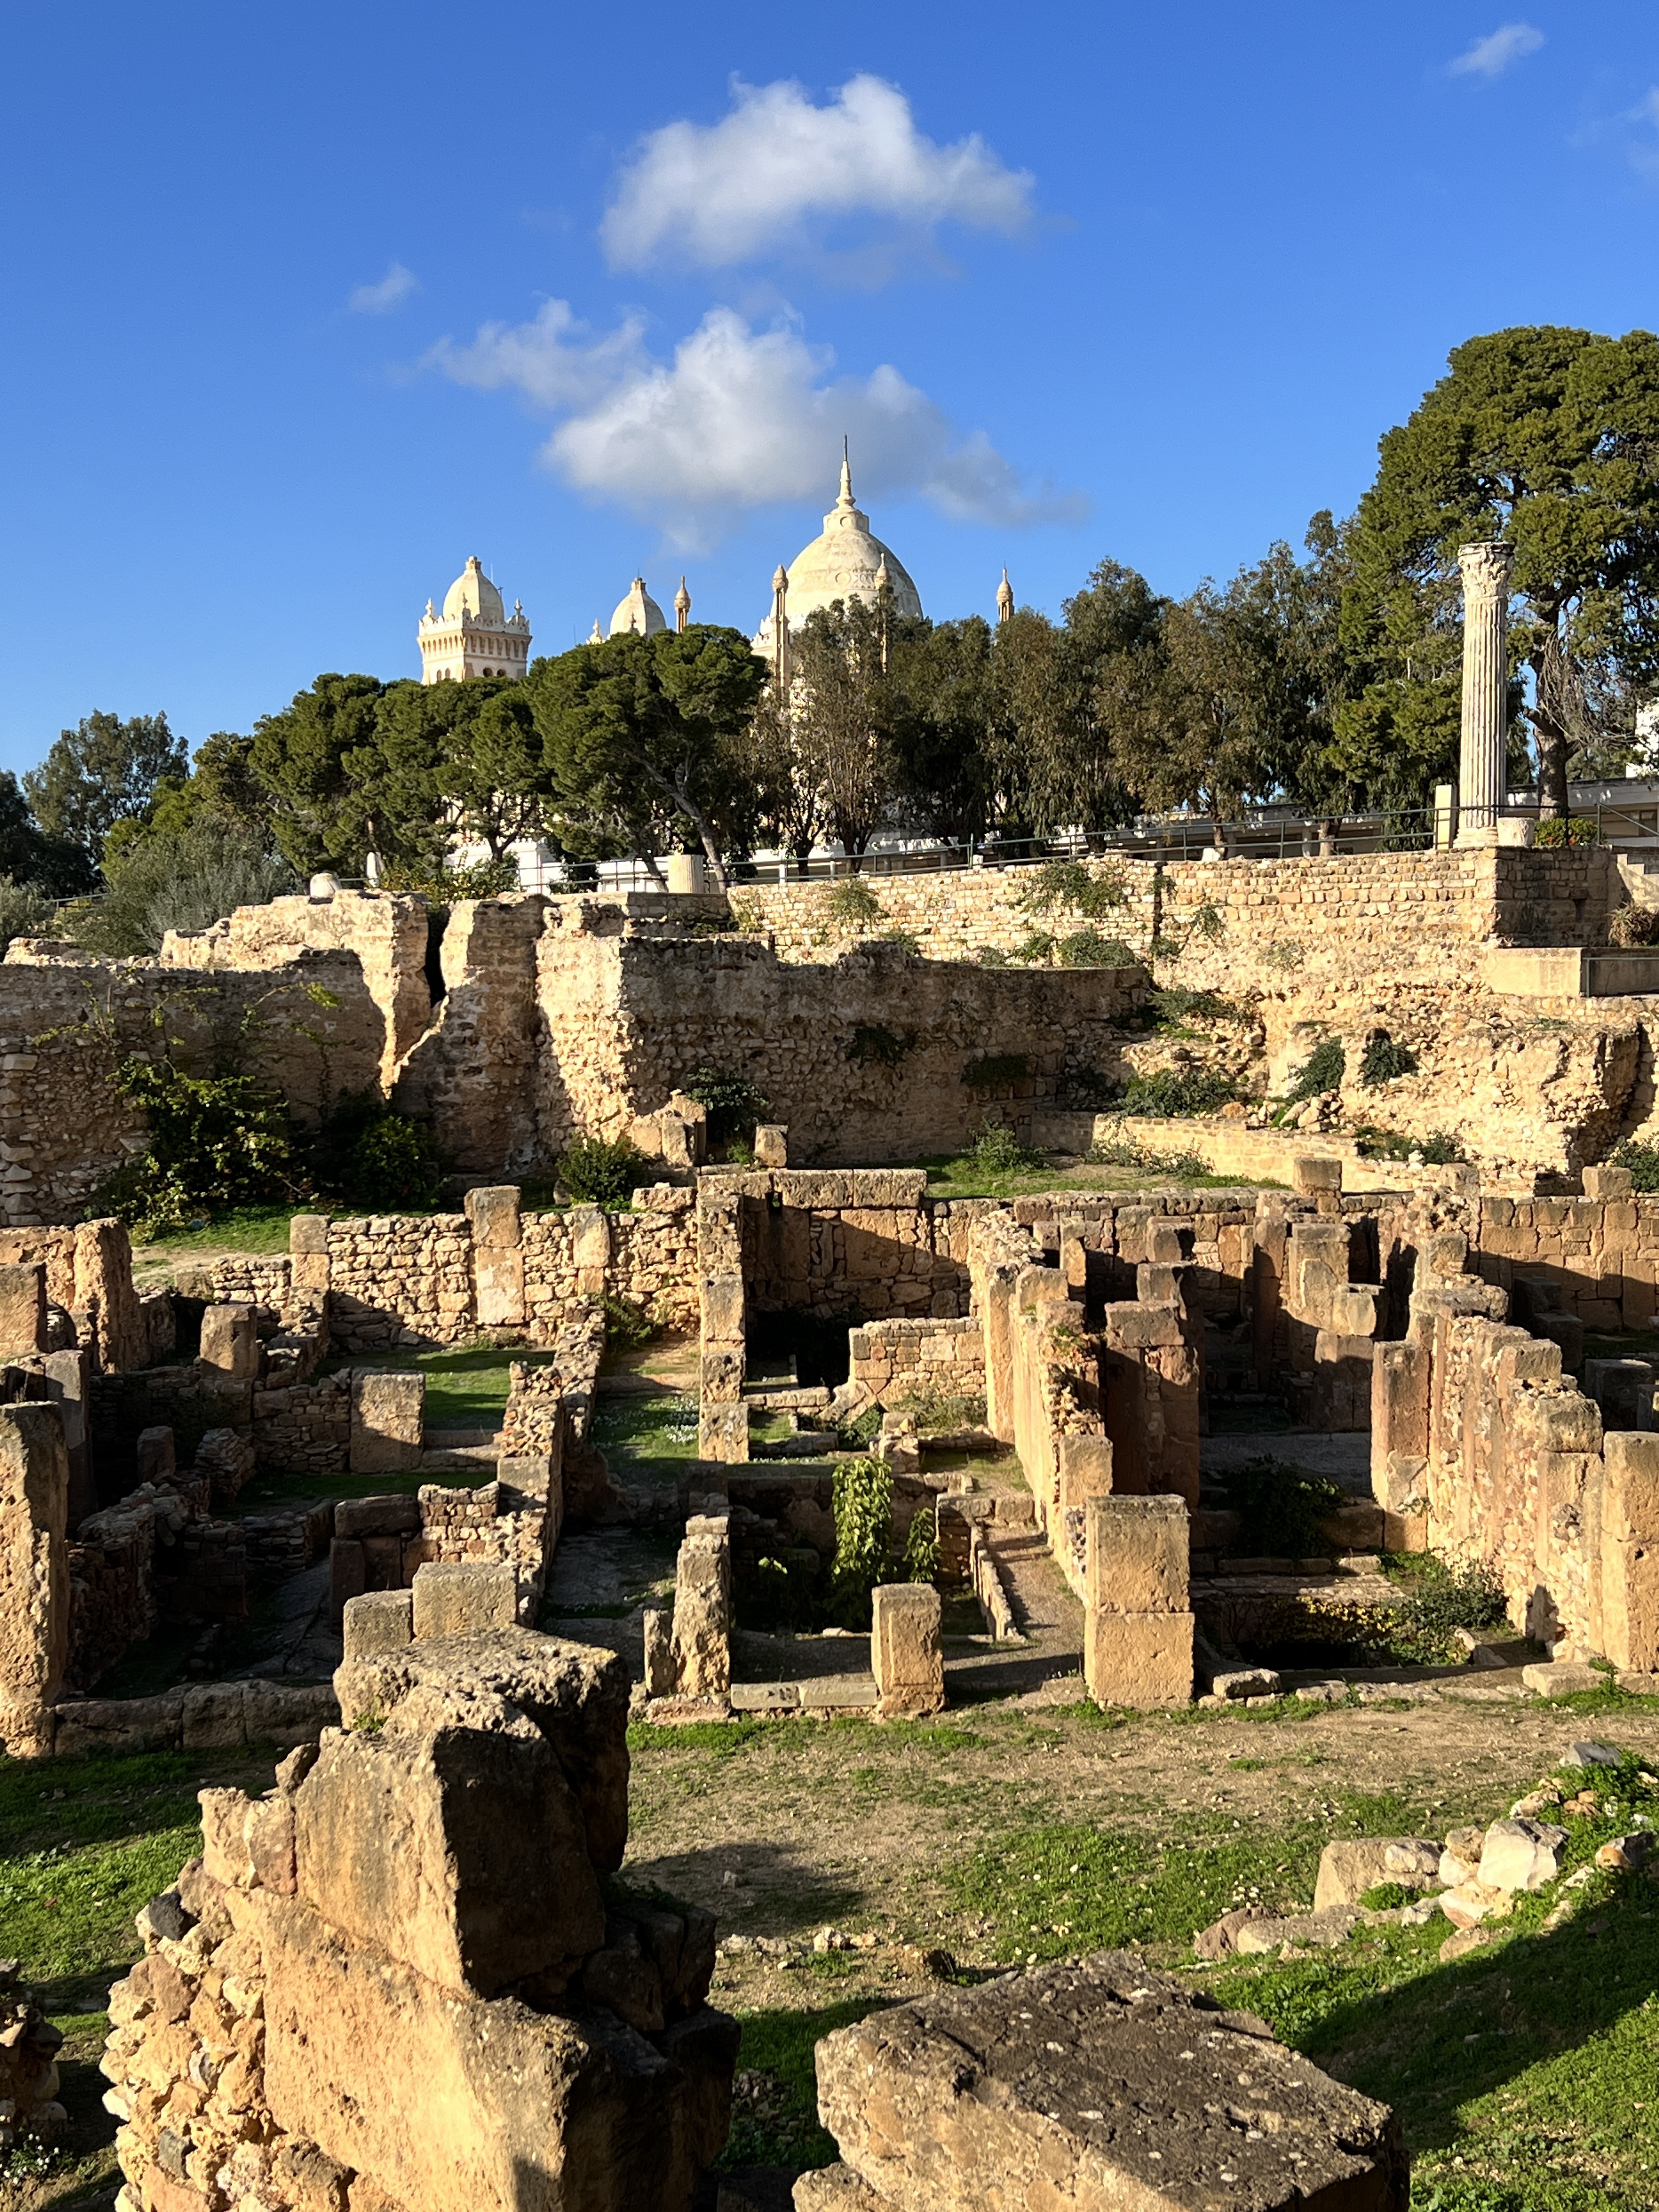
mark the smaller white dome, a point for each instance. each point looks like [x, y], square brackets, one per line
[472, 593]
[639, 613]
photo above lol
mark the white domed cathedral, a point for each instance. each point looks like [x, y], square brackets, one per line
[474, 635]
[845, 561]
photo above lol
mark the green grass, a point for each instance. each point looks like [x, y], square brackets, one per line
[84, 1844]
[639, 1434]
[466, 1386]
[958, 1175]
[258, 1229]
[784, 2130]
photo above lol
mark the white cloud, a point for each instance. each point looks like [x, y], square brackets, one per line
[751, 184]
[1493, 55]
[739, 419]
[393, 289]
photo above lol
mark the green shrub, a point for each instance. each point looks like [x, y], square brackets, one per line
[1036, 949]
[1286, 956]
[734, 1105]
[905, 940]
[1177, 1093]
[1445, 1598]
[994, 956]
[627, 1325]
[851, 904]
[1172, 1008]
[441, 886]
[1141, 1155]
[921, 1546]
[864, 1535]
[1322, 1072]
[215, 1141]
[367, 1156]
[1087, 948]
[24, 912]
[857, 1436]
[1062, 883]
[1440, 1148]
[1384, 1060]
[602, 1171]
[1576, 830]
[1642, 1160]
[998, 1151]
[1374, 1144]
[996, 1070]
[1281, 1507]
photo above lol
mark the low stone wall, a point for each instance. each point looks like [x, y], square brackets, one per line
[1482, 1450]
[1393, 910]
[892, 1362]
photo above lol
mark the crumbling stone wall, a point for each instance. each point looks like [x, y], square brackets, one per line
[1397, 910]
[66, 1020]
[427, 1890]
[1481, 1450]
[33, 1574]
[383, 931]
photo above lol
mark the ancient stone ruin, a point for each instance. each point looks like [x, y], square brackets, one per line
[405, 1979]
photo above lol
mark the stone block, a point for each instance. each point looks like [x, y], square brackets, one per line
[771, 1145]
[1140, 1660]
[906, 1656]
[513, 2103]
[154, 1457]
[387, 1421]
[22, 1310]
[1311, 1172]
[1085, 1469]
[492, 1210]
[722, 1306]
[723, 1433]
[1605, 1182]
[1136, 1556]
[1101, 2084]
[268, 1836]
[35, 1587]
[1561, 1678]
[348, 1575]
[464, 1597]
[287, 1714]
[308, 1233]
[576, 1695]
[451, 1839]
[213, 1718]
[380, 1620]
[1521, 1854]
[396, 1514]
[1347, 1870]
[230, 1347]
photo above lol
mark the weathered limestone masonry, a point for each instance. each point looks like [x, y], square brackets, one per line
[1481, 1450]
[33, 1574]
[688, 1655]
[423, 1897]
[417, 1281]
[817, 1241]
[66, 1018]
[383, 932]
[1137, 1621]
[1091, 2083]
[1395, 913]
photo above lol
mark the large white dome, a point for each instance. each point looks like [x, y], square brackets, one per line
[639, 613]
[472, 593]
[844, 562]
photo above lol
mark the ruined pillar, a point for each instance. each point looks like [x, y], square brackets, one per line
[35, 1585]
[1481, 760]
[1138, 1627]
[492, 1213]
[907, 1652]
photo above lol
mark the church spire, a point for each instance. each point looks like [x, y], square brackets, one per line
[1005, 597]
[681, 606]
[845, 498]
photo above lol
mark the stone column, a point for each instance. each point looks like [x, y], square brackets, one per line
[1481, 753]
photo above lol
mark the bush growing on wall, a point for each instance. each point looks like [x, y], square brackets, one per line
[733, 1105]
[864, 1535]
[602, 1171]
[215, 1141]
[1175, 1093]
[1384, 1060]
[368, 1155]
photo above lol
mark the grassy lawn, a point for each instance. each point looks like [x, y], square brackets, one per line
[84, 1844]
[466, 1385]
[959, 1175]
[646, 1438]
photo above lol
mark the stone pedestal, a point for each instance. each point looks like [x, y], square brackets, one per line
[1482, 777]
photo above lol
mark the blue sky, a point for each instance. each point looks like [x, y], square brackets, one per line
[308, 304]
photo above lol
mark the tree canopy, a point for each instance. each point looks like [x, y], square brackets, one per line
[104, 771]
[1547, 438]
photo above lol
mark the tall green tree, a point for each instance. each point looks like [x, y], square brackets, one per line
[1548, 438]
[103, 771]
[321, 819]
[945, 721]
[1070, 695]
[843, 709]
[644, 735]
